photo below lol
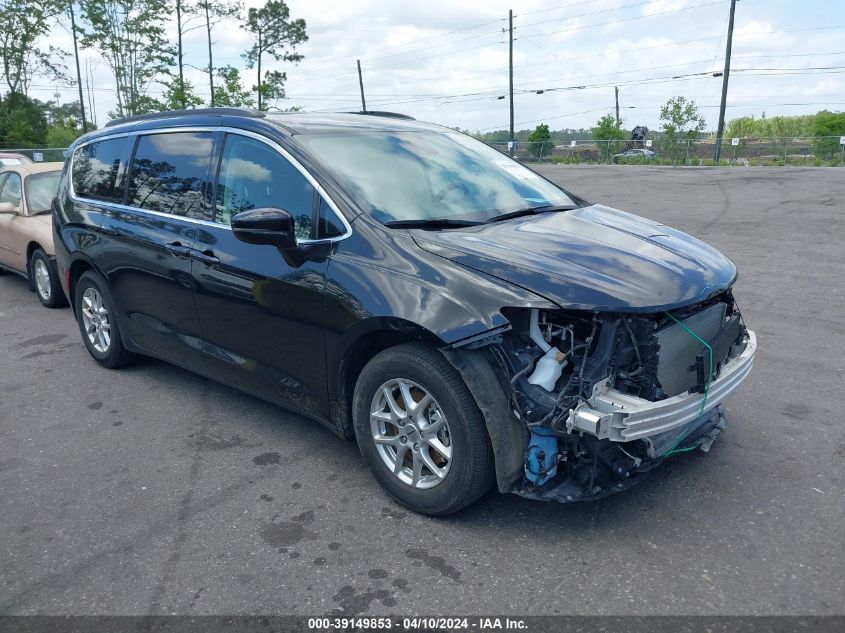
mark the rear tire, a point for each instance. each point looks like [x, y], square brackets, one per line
[97, 321]
[433, 457]
[44, 277]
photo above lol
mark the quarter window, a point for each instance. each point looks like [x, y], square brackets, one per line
[98, 170]
[329, 225]
[170, 173]
[253, 175]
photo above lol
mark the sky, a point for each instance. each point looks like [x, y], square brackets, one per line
[446, 61]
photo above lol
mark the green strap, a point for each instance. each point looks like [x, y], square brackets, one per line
[672, 450]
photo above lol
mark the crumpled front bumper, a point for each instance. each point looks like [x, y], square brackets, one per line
[620, 417]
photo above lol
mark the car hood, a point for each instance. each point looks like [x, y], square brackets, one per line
[591, 258]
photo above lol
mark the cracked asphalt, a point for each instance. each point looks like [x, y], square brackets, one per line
[150, 490]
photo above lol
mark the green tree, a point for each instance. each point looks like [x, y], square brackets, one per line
[22, 121]
[179, 95]
[540, 140]
[23, 24]
[610, 132]
[62, 135]
[682, 123]
[212, 13]
[276, 35]
[228, 92]
[743, 127]
[130, 36]
[831, 125]
[189, 17]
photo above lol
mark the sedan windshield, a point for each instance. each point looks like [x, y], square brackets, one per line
[40, 190]
[413, 176]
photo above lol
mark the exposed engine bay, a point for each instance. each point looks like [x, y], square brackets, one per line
[605, 397]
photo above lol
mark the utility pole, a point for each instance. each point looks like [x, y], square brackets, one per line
[179, 55]
[361, 85]
[89, 86]
[721, 128]
[510, 67]
[78, 73]
[616, 90]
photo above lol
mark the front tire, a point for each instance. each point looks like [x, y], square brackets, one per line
[44, 277]
[420, 431]
[97, 321]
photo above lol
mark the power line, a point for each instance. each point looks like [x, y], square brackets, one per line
[640, 17]
[631, 19]
[438, 36]
[611, 10]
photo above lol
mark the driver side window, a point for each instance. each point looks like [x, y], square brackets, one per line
[10, 191]
[253, 175]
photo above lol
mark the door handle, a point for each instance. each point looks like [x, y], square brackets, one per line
[206, 257]
[176, 248]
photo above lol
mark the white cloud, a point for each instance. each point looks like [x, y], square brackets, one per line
[427, 59]
[659, 6]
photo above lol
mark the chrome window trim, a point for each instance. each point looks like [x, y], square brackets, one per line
[209, 128]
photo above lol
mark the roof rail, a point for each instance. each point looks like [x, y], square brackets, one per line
[171, 113]
[392, 115]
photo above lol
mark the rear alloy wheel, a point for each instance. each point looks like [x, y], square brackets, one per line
[44, 277]
[420, 430]
[97, 323]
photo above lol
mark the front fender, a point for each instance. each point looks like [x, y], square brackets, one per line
[406, 293]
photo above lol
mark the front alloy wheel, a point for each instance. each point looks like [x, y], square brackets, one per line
[411, 433]
[420, 431]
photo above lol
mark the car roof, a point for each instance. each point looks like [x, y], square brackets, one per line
[14, 155]
[322, 123]
[290, 123]
[33, 168]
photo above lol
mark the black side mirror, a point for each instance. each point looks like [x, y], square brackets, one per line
[274, 227]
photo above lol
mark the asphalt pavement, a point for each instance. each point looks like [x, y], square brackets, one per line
[150, 490]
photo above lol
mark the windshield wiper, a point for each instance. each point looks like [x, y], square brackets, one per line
[41, 212]
[431, 223]
[532, 211]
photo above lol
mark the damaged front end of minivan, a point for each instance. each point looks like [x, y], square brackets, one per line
[604, 397]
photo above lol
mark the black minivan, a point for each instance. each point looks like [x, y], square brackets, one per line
[467, 321]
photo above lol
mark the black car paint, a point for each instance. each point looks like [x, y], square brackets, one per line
[592, 258]
[295, 325]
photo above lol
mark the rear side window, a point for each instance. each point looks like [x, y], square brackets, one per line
[253, 175]
[40, 190]
[98, 170]
[170, 173]
[10, 191]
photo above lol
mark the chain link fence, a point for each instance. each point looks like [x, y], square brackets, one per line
[37, 154]
[821, 151]
[813, 151]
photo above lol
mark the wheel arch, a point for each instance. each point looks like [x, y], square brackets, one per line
[369, 339]
[77, 268]
[508, 437]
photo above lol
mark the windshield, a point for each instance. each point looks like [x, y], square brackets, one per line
[41, 189]
[426, 175]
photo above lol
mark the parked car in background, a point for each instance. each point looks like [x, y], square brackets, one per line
[26, 234]
[469, 322]
[8, 159]
[634, 153]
